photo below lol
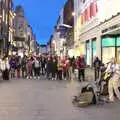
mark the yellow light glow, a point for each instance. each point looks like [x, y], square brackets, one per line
[73, 13]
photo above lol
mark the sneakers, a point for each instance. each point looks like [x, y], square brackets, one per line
[53, 78]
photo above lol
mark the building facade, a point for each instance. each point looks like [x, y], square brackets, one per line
[21, 33]
[62, 41]
[43, 49]
[58, 39]
[68, 19]
[6, 25]
[92, 20]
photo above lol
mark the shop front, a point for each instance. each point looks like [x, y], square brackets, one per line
[76, 51]
[79, 50]
[110, 48]
[118, 49]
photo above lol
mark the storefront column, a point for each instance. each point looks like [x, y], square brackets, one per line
[90, 52]
[98, 43]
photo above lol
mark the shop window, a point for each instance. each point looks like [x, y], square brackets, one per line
[108, 42]
[88, 13]
[93, 9]
[118, 41]
[107, 54]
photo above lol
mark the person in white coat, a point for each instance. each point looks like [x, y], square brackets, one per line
[5, 66]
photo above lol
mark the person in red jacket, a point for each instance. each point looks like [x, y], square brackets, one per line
[81, 68]
[65, 63]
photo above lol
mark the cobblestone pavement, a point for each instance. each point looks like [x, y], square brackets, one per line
[48, 100]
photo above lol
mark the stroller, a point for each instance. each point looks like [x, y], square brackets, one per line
[94, 91]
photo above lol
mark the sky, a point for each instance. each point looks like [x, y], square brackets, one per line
[42, 15]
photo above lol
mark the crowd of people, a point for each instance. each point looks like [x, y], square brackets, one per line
[53, 67]
[57, 68]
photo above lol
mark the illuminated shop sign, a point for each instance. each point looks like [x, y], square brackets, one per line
[111, 28]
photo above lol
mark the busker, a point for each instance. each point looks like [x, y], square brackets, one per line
[114, 82]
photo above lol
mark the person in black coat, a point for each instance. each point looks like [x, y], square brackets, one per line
[97, 63]
[49, 67]
[43, 62]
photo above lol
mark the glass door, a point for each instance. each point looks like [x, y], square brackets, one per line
[88, 53]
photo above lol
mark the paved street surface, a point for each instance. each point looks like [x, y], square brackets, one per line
[48, 100]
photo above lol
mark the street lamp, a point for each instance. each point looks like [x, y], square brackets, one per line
[73, 14]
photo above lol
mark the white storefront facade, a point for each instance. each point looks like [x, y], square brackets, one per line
[92, 18]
